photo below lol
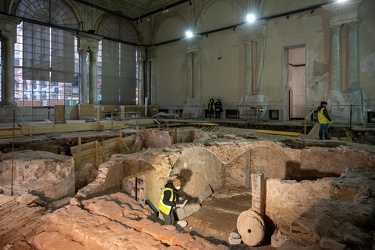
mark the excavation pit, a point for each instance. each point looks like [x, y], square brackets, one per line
[215, 170]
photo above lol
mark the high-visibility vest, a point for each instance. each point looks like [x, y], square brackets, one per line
[166, 209]
[321, 117]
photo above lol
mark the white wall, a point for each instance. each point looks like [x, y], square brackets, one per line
[222, 64]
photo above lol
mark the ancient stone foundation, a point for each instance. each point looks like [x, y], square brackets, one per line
[44, 174]
[306, 197]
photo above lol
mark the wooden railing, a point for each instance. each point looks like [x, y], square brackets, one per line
[305, 121]
[96, 152]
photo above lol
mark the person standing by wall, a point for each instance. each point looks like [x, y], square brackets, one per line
[170, 200]
[324, 120]
[218, 108]
[211, 108]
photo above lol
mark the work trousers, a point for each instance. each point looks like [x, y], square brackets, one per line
[323, 130]
[168, 218]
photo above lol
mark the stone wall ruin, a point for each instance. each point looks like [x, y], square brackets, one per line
[298, 181]
[296, 178]
[41, 173]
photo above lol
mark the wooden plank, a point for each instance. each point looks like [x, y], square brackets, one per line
[96, 153]
[88, 153]
[273, 132]
[111, 143]
[78, 158]
[8, 132]
[135, 122]
[175, 135]
[129, 139]
[119, 144]
[86, 146]
[126, 147]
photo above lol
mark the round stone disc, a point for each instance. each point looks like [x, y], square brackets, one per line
[250, 226]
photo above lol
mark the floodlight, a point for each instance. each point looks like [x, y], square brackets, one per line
[189, 34]
[250, 18]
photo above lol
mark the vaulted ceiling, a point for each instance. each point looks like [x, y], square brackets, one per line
[142, 4]
[131, 8]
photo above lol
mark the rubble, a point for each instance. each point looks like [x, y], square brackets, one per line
[113, 221]
[315, 197]
[44, 174]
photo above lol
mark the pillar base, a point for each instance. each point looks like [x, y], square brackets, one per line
[6, 113]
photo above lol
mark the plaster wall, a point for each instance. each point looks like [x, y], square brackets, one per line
[283, 33]
[367, 49]
[170, 27]
[171, 75]
[221, 78]
[218, 14]
[272, 7]
[224, 77]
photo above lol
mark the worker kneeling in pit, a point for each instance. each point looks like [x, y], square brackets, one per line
[170, 200]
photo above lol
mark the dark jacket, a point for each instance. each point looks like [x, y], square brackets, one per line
[211, 105]
[167, 195]
[218, 106]
[325, 112]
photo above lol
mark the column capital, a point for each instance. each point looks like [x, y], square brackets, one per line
[248, 42]
[152, 52]
[254, 31]
[8, 26]
[142, 54]
[343, 12]
[193, 43]
[88, 42]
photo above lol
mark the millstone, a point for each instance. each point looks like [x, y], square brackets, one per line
[250, 226]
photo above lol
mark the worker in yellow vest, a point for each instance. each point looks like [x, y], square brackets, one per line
[324, 120]
[170, 200]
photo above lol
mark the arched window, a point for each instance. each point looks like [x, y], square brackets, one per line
[118, 83]
[45, 59]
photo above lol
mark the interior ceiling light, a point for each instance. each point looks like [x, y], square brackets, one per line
[250, 18]
[189, 34]
[339, 1]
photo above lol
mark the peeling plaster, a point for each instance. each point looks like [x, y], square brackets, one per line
[368, 65]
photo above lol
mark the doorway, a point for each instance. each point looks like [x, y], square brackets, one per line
[296, 81]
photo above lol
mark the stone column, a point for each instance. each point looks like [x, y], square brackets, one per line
[7, 58]
[83, 75]
[88, 48]
[259, 88]
[154, 93]
[194, 67]
[152, 76]
[344, 13]
[254, 34]
[93, 79]
[248, 67]
[335, 75]
[141, 78]
[257, 193]
[190, 93]
[197, 75]
[8, 36]
[353, 63]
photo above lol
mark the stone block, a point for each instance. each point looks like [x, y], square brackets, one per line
[328, 243]
[204, 193]
[190, 208]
